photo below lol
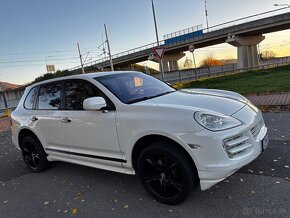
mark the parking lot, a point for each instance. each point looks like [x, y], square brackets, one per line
[260, 189]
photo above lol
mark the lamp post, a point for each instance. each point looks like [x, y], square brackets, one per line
[156, 33]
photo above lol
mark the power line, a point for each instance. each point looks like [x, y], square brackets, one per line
[48, 56]
[29, 65]
[32, 59]
[39, 60]
[46, 52]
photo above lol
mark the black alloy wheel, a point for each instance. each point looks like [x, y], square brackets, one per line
[30, 156]
[166, 173]
[33, 154]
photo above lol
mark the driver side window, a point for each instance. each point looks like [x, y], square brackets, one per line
[76, 91]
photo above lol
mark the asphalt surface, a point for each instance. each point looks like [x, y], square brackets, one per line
[261, 188]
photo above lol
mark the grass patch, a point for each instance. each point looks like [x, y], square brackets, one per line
[274, 80]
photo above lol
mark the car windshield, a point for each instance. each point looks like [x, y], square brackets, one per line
[134, 87]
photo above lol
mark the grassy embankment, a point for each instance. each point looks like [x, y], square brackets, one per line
[274, 80]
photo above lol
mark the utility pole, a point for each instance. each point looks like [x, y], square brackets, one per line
[109, 50]
[206, 14]
[156, 32]
[81, 59]
[155, 24]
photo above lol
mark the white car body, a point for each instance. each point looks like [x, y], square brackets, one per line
[170, 116]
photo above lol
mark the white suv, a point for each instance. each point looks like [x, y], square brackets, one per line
[130, 122]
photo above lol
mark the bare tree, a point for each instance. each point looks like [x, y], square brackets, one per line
[209, 61]
[187, 64]
[268, 54]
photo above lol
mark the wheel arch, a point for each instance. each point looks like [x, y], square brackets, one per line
[145, 141]
[23, 133]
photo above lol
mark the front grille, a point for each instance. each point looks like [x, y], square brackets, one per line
[242, 144]
[236, 146]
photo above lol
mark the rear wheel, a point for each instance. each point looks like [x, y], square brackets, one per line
[166, 173]
[33, 154]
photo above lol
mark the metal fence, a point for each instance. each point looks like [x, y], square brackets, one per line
[13, 97]
[192, 74]
[10, 99]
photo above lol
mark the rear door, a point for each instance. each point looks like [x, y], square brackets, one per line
[46, 119]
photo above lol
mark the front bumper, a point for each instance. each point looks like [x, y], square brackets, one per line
[215, 174]
[217, 155]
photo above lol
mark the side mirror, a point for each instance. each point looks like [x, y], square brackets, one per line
[94, 103]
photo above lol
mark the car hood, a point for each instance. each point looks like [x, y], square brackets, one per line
[224, 102]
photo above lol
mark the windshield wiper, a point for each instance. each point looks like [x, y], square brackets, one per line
[164, 93]
[148, 97]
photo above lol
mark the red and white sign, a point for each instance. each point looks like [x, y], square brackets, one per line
[159, 52]
[191, 48]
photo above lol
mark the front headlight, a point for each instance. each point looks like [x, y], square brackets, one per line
[216, 122]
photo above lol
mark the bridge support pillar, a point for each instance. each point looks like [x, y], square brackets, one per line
[170, 61]
[173, 65]
[247, 49]
[165, 66]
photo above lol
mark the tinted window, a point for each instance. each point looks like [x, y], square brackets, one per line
[76, 91]
[49, 96]
[31, 97]
[134, 87]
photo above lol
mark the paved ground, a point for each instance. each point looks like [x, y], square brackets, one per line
[271, 99]
[260, 189]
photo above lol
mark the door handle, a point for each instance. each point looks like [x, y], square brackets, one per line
[34, 118]
[66, 120]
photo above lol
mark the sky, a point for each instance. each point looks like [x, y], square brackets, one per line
[35, 33]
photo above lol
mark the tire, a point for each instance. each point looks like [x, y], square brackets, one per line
[33, 154]
[166, 173]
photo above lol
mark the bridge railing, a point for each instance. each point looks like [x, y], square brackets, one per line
[141, 48]
[255, 17]
[131, 51]
[183, 32]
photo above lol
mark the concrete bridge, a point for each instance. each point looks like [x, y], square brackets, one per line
[244, 33]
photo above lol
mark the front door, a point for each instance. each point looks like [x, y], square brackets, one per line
[91, 136]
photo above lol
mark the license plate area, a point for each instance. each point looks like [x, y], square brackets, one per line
[265, 142]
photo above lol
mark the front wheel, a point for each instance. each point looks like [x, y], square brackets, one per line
[33, 154]
[166, 173]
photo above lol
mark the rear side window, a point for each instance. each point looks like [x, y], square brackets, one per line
[49, 96]
[31, 98]
[76, 91]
